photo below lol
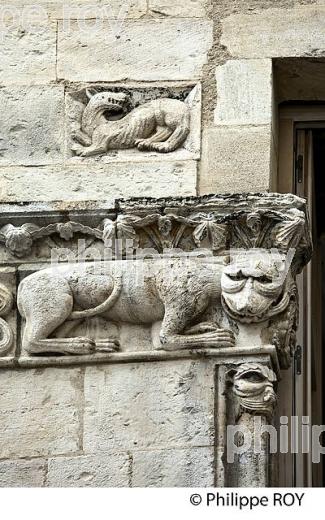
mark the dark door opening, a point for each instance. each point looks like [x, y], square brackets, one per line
[301, 170]
[318, 384]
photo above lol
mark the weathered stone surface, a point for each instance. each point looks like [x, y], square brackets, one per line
[244, 90]
[136, 337]
[22, 473]
[40, 412]
[100, 182]
[149, 405]
[151, 50]
[78, 9]
[27, 53]
[236, 159]
[31, 127]
[192, 467]
[104, 470]
[276, 33]
[181, 8]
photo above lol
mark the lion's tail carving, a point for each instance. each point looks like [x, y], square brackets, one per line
[103, 307]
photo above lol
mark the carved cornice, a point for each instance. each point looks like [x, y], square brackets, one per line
[219, 223]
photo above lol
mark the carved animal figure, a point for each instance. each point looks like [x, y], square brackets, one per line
[183, 293]
[161, 125]
[256, 287]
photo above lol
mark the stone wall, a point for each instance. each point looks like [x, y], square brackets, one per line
[65, 427]
[228, 46]
[71, 426]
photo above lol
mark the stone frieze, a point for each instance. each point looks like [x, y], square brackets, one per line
[189, 274]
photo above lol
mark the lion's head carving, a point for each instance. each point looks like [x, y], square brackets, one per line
[253, 287]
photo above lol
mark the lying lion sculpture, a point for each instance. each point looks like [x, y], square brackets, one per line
[183, 294]
[161, 125]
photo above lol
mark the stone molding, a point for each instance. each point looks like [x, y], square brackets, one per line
[216, 222]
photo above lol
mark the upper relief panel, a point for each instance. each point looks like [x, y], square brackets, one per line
[113, 123]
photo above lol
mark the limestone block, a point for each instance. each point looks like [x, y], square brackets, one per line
[78, 9]
[39, 412]
[105, 182]
[276, 33]
[28, 53]
[244, 92]
[22, 473]
[148, 50]
[149, 406]
[105, 470]
[181, 8]
[31, 127]
[236, 159]
[192, 467]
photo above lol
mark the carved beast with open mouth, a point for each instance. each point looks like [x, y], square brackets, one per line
[160, 125]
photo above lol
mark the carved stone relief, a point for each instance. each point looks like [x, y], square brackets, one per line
[253, 388]
[242, 255]
[7, 312]
[183, 301]
[6, 303]
[19, 240]
[105, 120]
[250, 405]
[216, 223]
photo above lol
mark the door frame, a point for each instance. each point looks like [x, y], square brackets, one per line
[295, 138]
